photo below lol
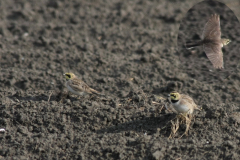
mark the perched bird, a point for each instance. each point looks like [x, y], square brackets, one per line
[182, 103]
[212, 42]
[77, 86]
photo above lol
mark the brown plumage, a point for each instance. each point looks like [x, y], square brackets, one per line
[77, 86]
[212, 42]
[183, 103]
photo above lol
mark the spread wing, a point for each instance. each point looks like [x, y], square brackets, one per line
[214, 54]
[212, 30]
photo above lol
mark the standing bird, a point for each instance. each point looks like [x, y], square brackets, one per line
[182, 103]
[77, 86]
[212, 42]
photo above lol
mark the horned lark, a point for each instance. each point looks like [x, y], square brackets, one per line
[212, 42]
[182, 103]
[77, 86]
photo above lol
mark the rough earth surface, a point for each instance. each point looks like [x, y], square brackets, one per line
[131, 52]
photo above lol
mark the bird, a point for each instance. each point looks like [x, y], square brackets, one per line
[212, 42]
[77, 86]
[182, 103]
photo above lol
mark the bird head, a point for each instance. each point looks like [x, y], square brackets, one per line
[69, 76]
[175, 96]
[225, 41]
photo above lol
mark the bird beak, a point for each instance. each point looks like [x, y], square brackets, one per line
[168, 95]
[64, 74]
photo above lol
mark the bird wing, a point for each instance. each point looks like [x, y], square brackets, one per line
[212, 28]
[79, 86]
[189, 101]
[214, 54]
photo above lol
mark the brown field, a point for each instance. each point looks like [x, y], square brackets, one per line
[130, 51]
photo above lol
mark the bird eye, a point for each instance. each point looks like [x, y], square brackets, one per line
[68, 76]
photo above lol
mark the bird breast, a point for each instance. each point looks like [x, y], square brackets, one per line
[182, 108]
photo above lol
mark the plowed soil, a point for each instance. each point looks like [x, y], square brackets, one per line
[131, 52]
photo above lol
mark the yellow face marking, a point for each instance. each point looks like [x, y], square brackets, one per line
[174, 95]
[228, 41]
[69, 76]
[225, 41]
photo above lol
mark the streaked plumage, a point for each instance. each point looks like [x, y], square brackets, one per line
[77, 86]
[212, 42]
[182, 103]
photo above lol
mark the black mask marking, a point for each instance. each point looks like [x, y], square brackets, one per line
[174, 101]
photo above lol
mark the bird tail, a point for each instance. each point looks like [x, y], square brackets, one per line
[193, 44]
[95, 92]
[198, 108]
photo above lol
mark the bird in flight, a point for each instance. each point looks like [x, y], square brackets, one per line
[212, 42]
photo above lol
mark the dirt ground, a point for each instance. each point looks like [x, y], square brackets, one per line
[130, 51]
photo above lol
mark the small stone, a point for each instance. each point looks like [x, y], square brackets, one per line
[157, 155]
